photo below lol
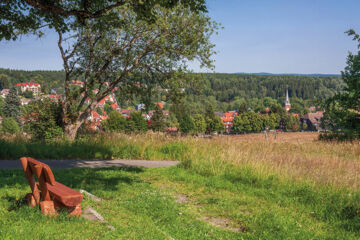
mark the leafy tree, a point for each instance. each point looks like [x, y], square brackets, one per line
[107, 107]
[271, 121]
[136, 122]
[112, 41]
[199, 123]
[186, 124]
[28, 94]
[241, 123]
[115, 123]
[2, 104]
[12, 105]
[172, 121]
[43, 119]
[158, 120]
[342, 110]
[9, 125]
[4, 81]
[291, 122]
[24, 17]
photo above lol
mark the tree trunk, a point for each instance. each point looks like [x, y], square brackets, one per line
[70, 130]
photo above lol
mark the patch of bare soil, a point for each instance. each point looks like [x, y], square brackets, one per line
[223, 223]
[181, 198]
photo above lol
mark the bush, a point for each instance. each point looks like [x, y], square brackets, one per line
[9, 125]
[136, 122]
[43, 119]
[115, 123]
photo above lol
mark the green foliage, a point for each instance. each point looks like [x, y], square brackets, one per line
[107, 107]
[5, 81]
[9, 125]
[43, 119]
[342, 111]
[199, 123]
[28, 94]
[292, 123]
[2, 104]
[12, 105]
[172, 121]
[158, 120]
[250, 122]
[213, 122]
[186, 124]
[136, 122]
[22, 17]
[115, 123]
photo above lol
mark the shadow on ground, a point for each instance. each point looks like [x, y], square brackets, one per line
[106, 179]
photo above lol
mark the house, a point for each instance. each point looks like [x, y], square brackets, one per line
[54, 97]
[140, 106]
[25, 101]
[227, 120]
[35, 88]
[4, 93]
[160, 104]
[313, 120]
[77, 83]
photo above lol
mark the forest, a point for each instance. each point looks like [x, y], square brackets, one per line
[223, 91]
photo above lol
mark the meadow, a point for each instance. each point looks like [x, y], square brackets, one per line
[226, 187]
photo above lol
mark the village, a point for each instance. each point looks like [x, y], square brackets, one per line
[31, 91]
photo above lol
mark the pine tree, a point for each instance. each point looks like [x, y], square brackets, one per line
[12, 106]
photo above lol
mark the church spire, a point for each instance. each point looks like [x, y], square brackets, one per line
[287, 101]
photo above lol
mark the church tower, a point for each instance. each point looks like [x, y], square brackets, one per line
[287, 101]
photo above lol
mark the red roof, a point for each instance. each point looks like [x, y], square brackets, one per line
[95, 115]
[114, 106]
[160, 105]
[27, 84]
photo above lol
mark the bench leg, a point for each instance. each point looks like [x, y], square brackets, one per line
[47, 208]
[30, 199]
[75, 211]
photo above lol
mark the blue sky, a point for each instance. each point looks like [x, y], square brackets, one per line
[277, 36]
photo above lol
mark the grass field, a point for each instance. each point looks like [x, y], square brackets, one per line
[232, 187]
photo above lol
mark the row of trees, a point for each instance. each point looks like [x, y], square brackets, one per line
[249, 122]
[185, 123]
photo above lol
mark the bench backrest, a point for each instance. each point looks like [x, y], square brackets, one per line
[43, 172]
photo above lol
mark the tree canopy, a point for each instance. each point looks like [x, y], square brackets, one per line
[32, 16]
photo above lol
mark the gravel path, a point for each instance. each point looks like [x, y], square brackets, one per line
[63, 164]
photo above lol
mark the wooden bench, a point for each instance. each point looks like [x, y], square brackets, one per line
[53, 195]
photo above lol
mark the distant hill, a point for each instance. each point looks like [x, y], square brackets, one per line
[222, 91]
[291, 74]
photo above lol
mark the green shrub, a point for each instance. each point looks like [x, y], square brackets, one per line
[9, 125]
[115, 123]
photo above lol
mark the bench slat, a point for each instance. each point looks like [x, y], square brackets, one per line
[69, 197]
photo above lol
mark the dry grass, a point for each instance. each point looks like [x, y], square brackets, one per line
[298, 155]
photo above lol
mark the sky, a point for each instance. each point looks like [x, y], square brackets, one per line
[275, 36]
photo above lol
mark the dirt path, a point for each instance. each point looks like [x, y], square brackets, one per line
[63, 164]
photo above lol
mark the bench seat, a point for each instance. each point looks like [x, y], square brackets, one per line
[67, 196]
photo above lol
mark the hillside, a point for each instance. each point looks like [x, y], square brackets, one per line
[223, 91]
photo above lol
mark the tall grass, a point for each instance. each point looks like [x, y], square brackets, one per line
[295, 155]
